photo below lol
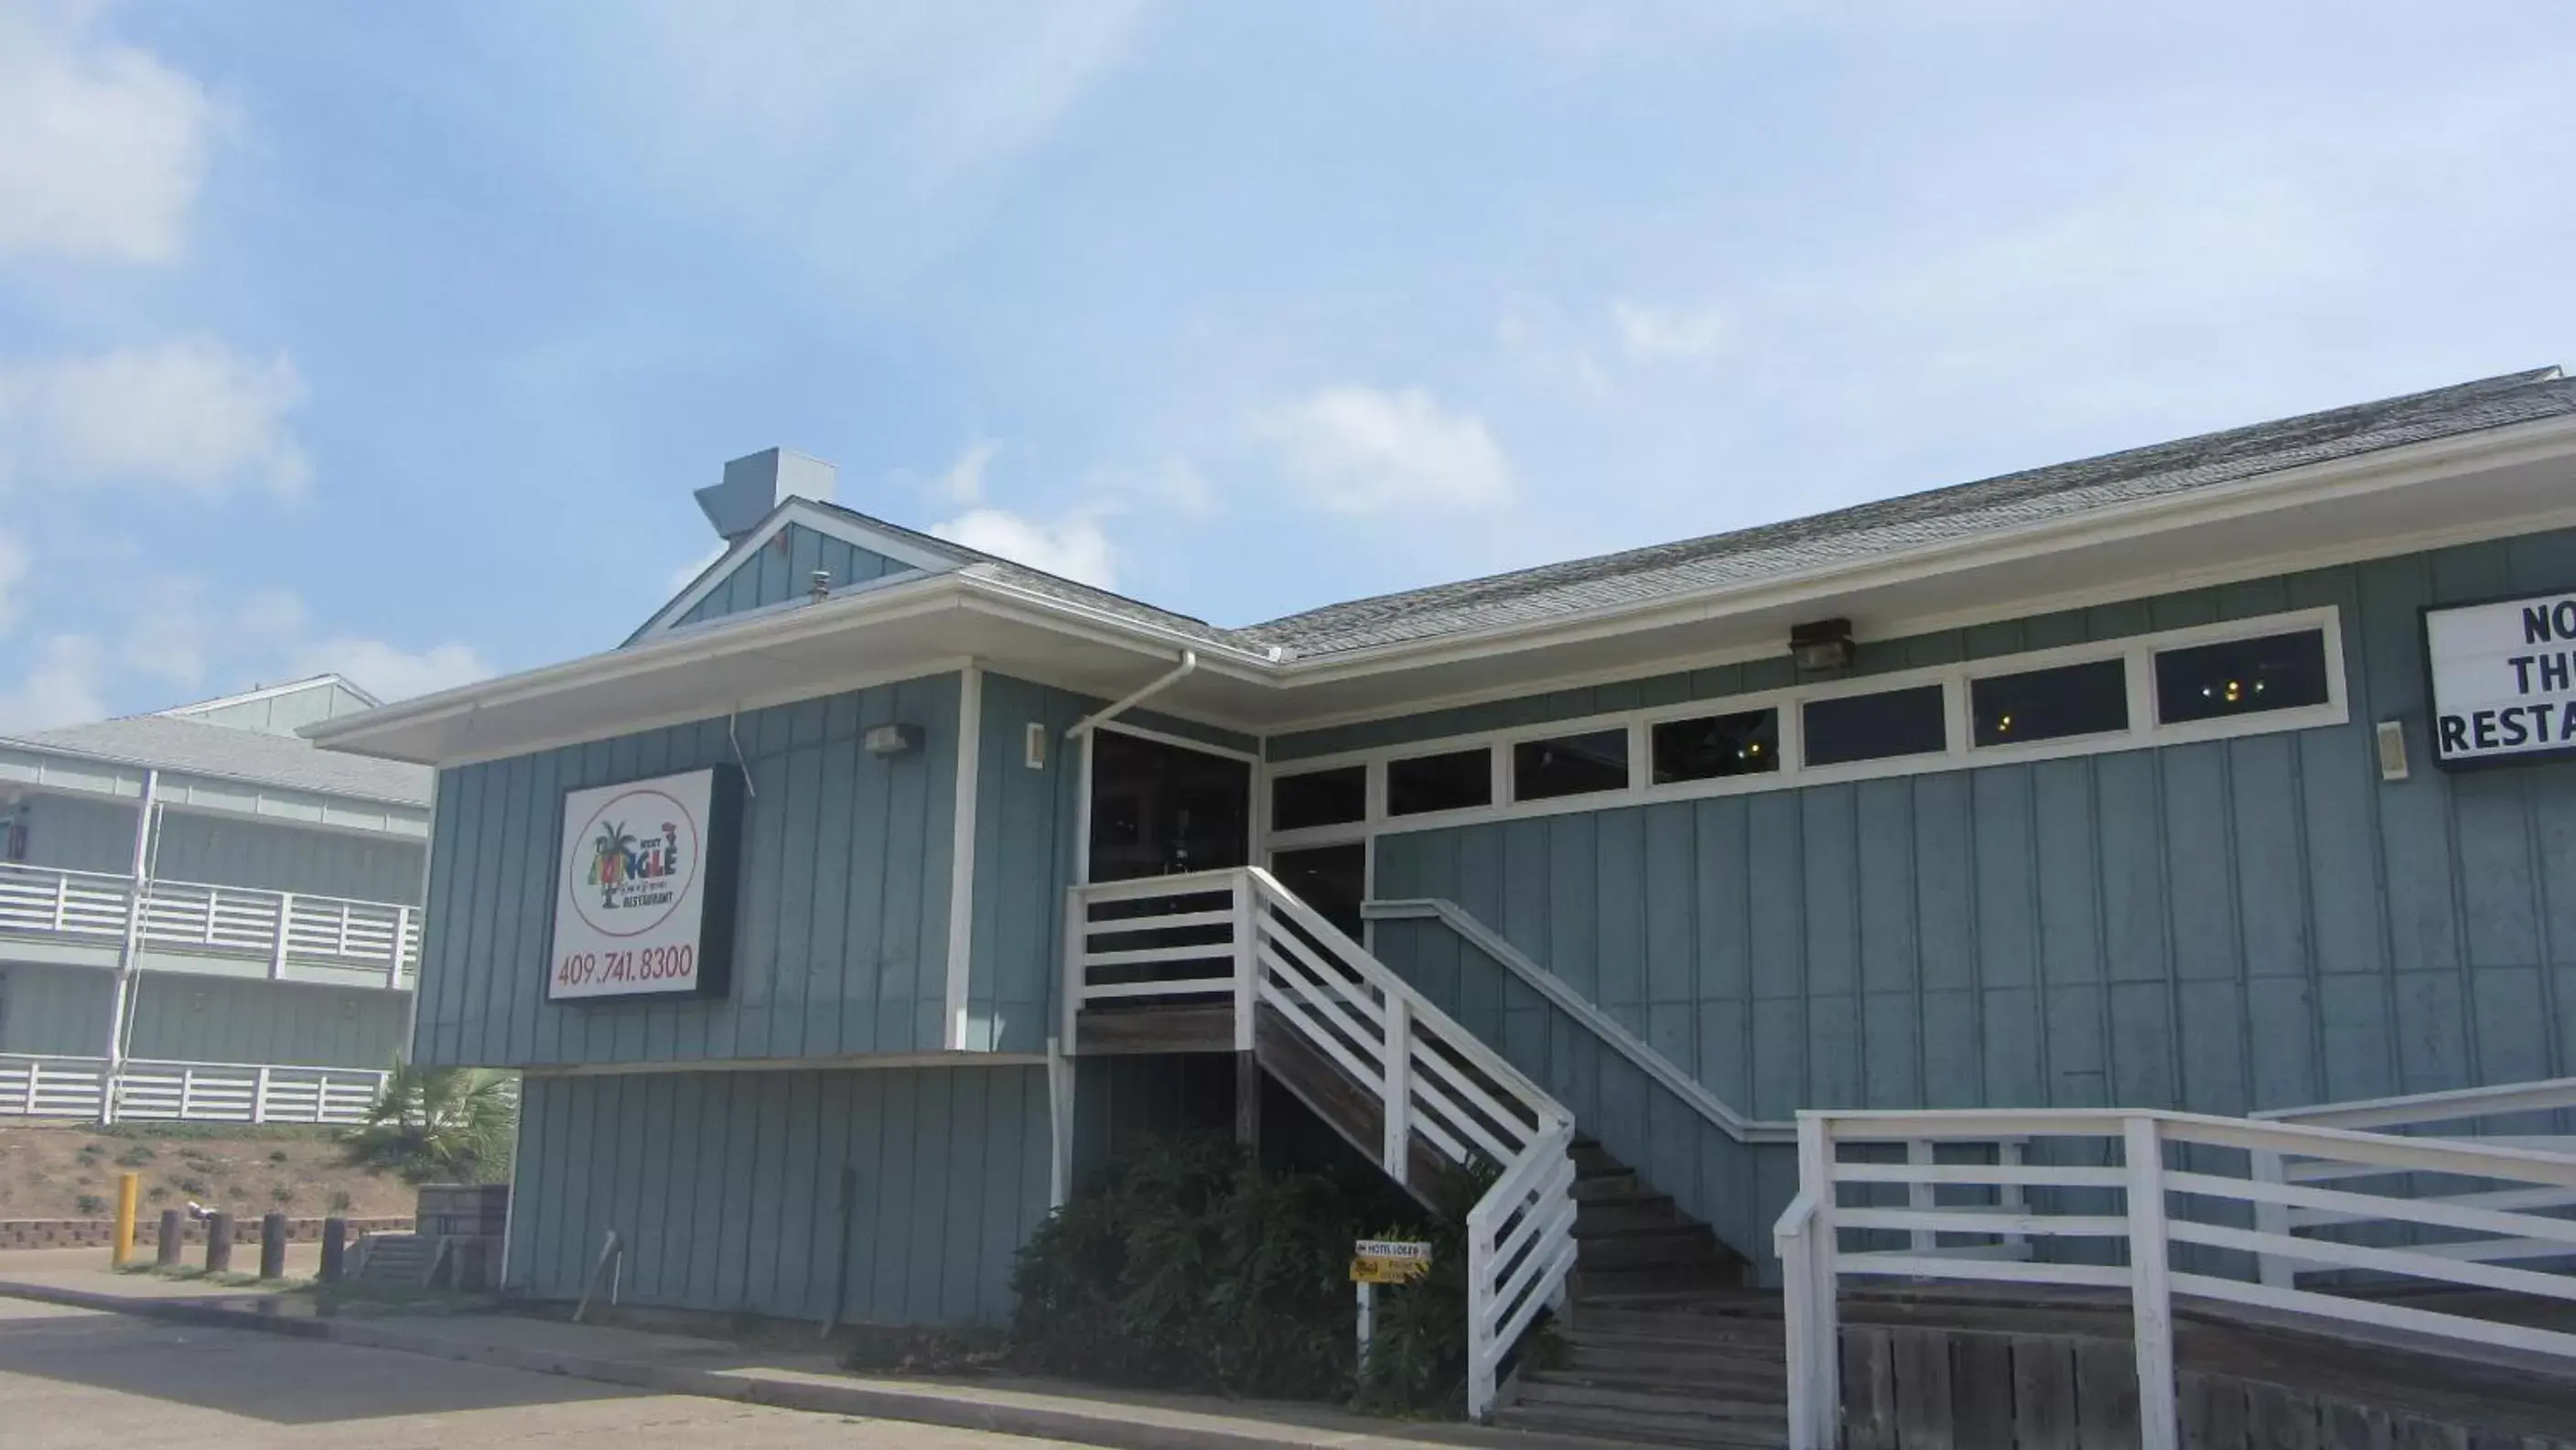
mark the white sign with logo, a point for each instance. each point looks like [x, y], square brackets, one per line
[643, 892]
[2504, 680]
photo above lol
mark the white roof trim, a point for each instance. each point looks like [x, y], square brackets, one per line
[955, 588]
[793, 511]
[271, 692]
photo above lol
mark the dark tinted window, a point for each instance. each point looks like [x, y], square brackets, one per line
[1712, 746]
[2087, 699]
[1874, 727]
[1570, 765]
[1331, 879]
[1449, 782]
[1159, 810]
[2241, 677]
[1319, 798]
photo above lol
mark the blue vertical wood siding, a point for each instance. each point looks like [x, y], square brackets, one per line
[841, 936]
[54, 1011]
[185, 1017]
[70, 833]
[1027, 850]
[783, 569]
[220, 851]
[726, 1188]
[2222, 927]
[179, 1017]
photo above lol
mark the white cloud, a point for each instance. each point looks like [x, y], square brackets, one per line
[13, 573]
[1675, 334]
[390, 672]
[963, 483]
[102, 147]
[1073, 547]
[1360, 450]
[65, 685]
[188, 415]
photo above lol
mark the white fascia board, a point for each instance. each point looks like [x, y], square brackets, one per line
[2215, 503]
[792, 511]
[962, 588]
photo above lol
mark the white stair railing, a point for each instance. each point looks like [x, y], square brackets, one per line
[185, 916]
[186, 1092]
[1240, 940]
[2102, 1177]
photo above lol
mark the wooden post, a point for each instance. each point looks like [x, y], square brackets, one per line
[335, 1249]
[127, 1185]
[2150, 1291]
[174, 1234]
[219, 1243]
[1398, 1091]
[1822, 1349]
[2276, 1271]
[1247, 1103]
[277, 953]
[272, 1246]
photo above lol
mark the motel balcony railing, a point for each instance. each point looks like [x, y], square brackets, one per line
[82, 918]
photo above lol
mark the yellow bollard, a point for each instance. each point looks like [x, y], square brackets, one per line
[126, 1185]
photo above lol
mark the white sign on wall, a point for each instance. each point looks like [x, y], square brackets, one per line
[644, 888]
[2504, 680]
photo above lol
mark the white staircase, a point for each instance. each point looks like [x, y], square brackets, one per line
[1236, 951]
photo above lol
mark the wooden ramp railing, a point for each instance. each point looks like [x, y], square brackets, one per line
[2159, 1205]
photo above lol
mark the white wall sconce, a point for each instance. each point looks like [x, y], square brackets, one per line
[2391, 735]
[1035, 752]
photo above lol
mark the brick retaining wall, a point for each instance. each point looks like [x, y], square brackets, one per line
[99, 1233]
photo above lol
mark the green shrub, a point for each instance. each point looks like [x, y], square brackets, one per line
[189, 1184]
[437, 1125]
[90, 1205]
[1189, 1266]
[340, 1200]
[136, 1156]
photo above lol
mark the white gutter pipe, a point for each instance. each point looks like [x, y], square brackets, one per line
[1083, 726]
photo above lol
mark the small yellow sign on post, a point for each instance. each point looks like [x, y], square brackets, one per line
[1389, 1261]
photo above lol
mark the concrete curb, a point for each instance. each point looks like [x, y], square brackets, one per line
[1113, 1426]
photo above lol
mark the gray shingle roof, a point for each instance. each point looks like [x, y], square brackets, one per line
[1639, 576]
[230, 753]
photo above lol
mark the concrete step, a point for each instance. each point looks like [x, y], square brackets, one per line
[1605, 1187]
[1670, 1398]
[1601, 1281]
[1677, 1245]
[1679, 1361]
[1644, 1427]
[1618, 1215]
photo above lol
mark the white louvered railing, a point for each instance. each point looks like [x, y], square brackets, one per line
[1238, 938]
[2159, 1204]
[186, 1092]
[279, 928]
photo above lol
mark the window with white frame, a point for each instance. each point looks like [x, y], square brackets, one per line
[2255, 676]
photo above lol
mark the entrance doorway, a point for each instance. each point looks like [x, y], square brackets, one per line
[1331, 879]
[1159, 809]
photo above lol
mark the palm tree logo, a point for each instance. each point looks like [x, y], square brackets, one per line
[612, 857]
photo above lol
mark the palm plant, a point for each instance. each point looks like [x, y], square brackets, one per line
[437, 1125]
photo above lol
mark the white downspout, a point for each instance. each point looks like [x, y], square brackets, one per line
[1085, 725]
[121, 1010]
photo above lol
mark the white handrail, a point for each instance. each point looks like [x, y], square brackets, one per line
[1693, 1094]
[2199, 1208]
[187, 916]
[1435, 1082]
[2454, 1105]
[44, 1086]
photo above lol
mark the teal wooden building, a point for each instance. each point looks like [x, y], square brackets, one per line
[2122, 782]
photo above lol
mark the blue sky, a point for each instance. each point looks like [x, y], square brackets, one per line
[393, 338]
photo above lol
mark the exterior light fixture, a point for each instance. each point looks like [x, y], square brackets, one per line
[1825, 644]
[893, 740]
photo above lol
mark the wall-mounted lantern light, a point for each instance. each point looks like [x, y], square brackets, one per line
[893, 740]
[1825, 644]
